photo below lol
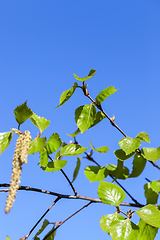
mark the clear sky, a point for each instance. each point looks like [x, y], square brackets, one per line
[42, 43]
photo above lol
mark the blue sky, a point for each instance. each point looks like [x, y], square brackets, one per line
[42, 43]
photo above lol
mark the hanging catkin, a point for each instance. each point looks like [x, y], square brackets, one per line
[20, 157]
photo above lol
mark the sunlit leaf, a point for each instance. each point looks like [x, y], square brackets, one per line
[110, 193]
[36, 145]
[85, 116]
[43, 157]
[121, 155]
[104, 94]
[76, 170]
[40, 122]
[67, 94]
[129, 145]
[8, 238]
[72, 149]
[75, 133]
[124, 230]
[53, 144]
[98, 118]
[96, 173]
[139, 163]
[143, 136]
[100, 149]
[152, 190]
[146, 232]
[5, 139]
[22, 113]
[50, 236]
[56, 165]
[91, 74]
[106, 221]
[151, 154]
[150, 214]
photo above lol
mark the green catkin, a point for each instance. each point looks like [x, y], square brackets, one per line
[20, 157]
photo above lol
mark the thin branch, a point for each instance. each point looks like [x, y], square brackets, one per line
[59, 195]
[62, 222]
[75, 192]
[57, 199]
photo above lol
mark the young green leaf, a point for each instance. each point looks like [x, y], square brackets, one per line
[76, 170]
[104, 94]
[85, 116]
[96, 173]
[67, 94]
[119, 171]
[5, 139]
[124, 230]
[146, 232]
[91, 74]
[8, 238]
[22, 113]
[72, 149]
[45, 224]
[151, 154]
[143, 136]
[98, 118]
[51, 236]
[121, 155]
[100, 149]
[53, 144]
[43, 157]
[75, 133]
[152, 190]
[40, 122]
[150, 214]
[36, 145]
[54, 166]
[106, 221]
[110, 193]
[139, 163]
[129, 145]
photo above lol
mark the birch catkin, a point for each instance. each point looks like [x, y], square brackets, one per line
[20, 157]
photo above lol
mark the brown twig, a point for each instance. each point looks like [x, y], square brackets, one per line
[62, 222]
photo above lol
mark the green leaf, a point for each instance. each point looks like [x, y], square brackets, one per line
[56, 165]
[152, 190]
[151, 154]
[72, 149]
[146, 232]
[139, 163]
[96, 173]
[43, 157]
[76, 170]
[45, 224]
[91, 74]
[67, 94]
[98, 118]
[150, 214]
[104, 94]
[5, 139]
[85, 116]
[106, 221]
[51, 236]
[101, 149]
[143, 136]
[75, 133]
[129, 145]
[53, 144]
[119, 171]
[36, 145]
[22, 113]
[124, 230]
[40, 122]
[110, 193]
[121, 155]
